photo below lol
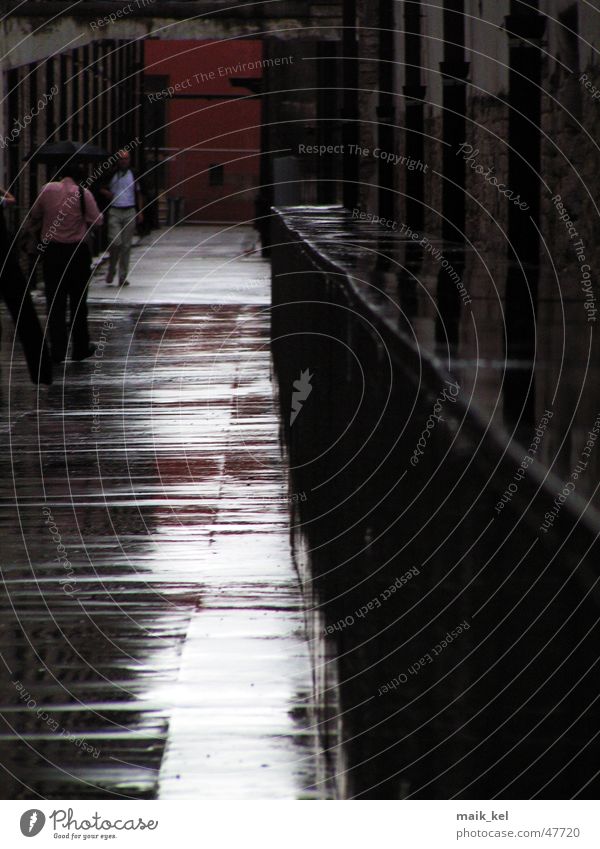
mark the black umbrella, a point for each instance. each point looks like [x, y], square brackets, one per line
[62, 150]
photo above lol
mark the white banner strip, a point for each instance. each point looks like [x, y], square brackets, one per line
[301, 824]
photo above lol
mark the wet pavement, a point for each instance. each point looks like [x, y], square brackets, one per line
[152, 632]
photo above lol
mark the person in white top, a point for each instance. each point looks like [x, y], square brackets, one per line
[125, 209]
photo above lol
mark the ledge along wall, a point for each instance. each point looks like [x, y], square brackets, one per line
[484, 717]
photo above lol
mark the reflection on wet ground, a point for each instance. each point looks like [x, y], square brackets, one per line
[151, 636]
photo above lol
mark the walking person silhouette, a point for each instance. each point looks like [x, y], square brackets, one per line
[125, 210]
[66, 212]
[14, 290]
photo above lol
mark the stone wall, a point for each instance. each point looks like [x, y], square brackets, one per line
[423, 713]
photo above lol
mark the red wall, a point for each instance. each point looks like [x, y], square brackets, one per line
[230, 128]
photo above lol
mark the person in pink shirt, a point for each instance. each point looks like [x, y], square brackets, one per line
[64, 213]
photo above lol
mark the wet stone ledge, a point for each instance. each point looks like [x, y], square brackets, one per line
[474, 677]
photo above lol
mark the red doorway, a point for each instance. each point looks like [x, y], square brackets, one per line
[204, 129]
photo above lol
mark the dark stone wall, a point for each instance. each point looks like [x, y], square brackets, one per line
[505, 707]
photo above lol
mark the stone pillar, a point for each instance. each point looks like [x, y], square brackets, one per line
[350, 104]
[386, 112]
[525, 30]
[414, 97]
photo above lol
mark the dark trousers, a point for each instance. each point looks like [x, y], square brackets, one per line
[67, 269]
[13, 288]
